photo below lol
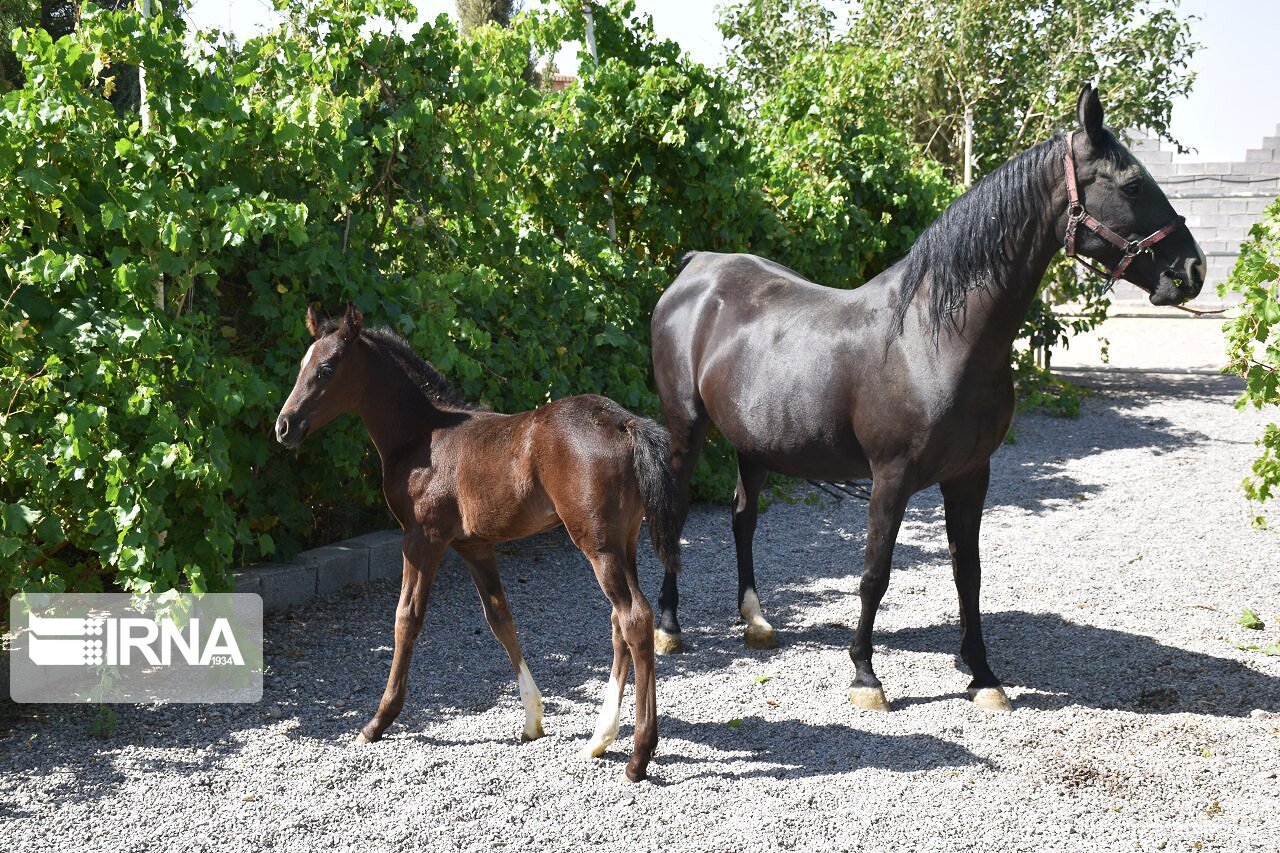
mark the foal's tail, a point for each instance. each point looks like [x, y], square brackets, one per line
[658, 489]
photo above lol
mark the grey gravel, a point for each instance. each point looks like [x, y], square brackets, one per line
[1117, 555]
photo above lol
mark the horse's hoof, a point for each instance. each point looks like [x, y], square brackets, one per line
[360, 738]
[666, 644]
[532, 733]
[991, 699]
[868, 698]
[761, 638]
[636, 774]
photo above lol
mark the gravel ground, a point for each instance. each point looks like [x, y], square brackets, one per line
[1118, 556]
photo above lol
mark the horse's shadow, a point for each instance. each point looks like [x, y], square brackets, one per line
[1064, 663]
[1059, 664]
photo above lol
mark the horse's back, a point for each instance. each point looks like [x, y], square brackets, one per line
[774, 360]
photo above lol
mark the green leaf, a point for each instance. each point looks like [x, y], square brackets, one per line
[1250, 620]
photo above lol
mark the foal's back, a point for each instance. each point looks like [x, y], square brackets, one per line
[521, 474]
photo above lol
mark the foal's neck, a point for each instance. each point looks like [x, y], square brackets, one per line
[398, 413]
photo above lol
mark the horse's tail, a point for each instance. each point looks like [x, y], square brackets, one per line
[651, 450]
[684, 261]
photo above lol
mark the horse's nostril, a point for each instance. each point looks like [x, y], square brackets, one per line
[282, 428]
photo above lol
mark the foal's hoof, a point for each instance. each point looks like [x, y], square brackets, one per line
[666, 644]
[594, 749]
[991, 699]
[360, 738]
[761, 637]
[532, 732]
[868, 698]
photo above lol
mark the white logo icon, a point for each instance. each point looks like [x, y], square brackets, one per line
[115, 641]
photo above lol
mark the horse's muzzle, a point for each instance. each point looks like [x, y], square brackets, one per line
[290, 432]
[1179, 284]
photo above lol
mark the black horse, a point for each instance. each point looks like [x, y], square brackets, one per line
[906, 379]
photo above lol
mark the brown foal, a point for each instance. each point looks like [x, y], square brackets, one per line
[461, 477]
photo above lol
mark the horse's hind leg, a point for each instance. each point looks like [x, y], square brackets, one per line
[884, 517]
[963, 500]
[688, 426]
[746, 508]
[421, 559]
[483, 567]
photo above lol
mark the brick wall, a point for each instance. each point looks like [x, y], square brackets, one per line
[1220, 200]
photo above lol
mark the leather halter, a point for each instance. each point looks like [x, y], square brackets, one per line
[1077, 216]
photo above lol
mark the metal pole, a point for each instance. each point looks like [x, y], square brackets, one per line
[595, 57]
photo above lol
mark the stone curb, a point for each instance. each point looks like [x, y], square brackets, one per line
[323, 571]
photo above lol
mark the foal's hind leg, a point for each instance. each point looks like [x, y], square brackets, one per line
[746, 508]
[611, 705]
[483, 566]
[688, 426]
[633, 619]
[963, 500]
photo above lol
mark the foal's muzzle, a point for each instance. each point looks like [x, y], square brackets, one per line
[290, 432]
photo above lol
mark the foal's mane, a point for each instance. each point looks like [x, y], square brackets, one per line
[422, 372]
[971, 243]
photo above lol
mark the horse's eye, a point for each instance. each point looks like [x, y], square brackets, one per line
[1132, 188]
[326, 370]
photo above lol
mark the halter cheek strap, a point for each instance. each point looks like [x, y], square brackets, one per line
[1077, 216]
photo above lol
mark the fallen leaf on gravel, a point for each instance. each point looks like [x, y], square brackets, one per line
[1249, 619]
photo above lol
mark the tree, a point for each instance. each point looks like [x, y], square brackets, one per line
[477, 13]
[764, 36]
[1253, 344]
[1014, 67]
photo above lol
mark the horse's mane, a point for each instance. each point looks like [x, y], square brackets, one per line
[969, 244]
[423, 373]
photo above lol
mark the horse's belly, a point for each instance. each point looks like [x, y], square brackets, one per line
[811, 448]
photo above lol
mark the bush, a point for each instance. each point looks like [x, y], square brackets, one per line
[154, 283]
[1253, 343]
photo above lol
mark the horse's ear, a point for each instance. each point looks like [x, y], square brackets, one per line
[1089, 114]
[313, 321]
[352, 323]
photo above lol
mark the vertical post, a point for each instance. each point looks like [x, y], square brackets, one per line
[595, 57]
[144, 113]
[968, 145]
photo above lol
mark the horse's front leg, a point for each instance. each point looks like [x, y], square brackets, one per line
[889, 497]
[421, 560]
[963, 500]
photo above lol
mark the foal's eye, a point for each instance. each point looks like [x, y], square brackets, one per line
[326, 370]
[1132, 188]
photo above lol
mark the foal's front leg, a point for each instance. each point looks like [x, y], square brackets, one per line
[421, 560]
[483, 566]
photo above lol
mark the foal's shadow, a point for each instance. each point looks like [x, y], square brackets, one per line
[1064, 663]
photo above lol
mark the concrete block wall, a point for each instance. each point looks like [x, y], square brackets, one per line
[323, 571]
[1221, 202]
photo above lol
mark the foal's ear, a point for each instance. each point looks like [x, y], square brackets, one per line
[1089, 114]
[352, 323]
[313, 321]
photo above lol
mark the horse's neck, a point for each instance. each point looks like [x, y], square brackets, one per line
[994, 310]
[395, 411]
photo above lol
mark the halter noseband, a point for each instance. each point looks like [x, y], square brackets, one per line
[1077, 216]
